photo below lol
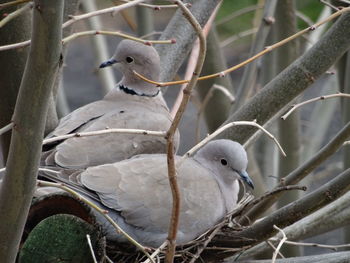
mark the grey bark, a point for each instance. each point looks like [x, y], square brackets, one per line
[29, 119]
[172, 56]
[346, 119]
[289, 214]
[12, 64]
[288, 129]
[298, 174]
[334, 215]
[70, 8]
[292, 81]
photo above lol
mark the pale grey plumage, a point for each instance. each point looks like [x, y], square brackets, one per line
[138, 194]
[132, 104]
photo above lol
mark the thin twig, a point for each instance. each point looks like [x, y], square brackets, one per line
[16, 45]
[329, 5]
[156, 7]
[113, 9]
[106, 131]
[193, 60]
[273, 192]
[207, 97]
[6, 128]
[227, 126]
[238, 210]
[274, 248]
[114, 33]
[157, 251]
[174, 221]
[295, 106]
[16, 13]
[92, 33]
[8, 4]
[108, 259]
[91, 248]
[249, 60]
[237, 36]
[332, 247]
[274, 256]
[238, 13]
[103, 212]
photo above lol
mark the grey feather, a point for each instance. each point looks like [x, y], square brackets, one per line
[138, 194]
[117, 109]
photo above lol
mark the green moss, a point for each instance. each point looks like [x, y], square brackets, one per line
[59, 238]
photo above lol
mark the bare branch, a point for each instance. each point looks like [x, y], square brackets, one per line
[329, 5]
[113, 9]
[91, 248]
[238, 36]
[296, 106]
[114, 33]
[7, 128]
[258, 55]
[332, 247]
[303, 170]
[170, 134]
[16, 45]
[106, 131]
[156, 7]
[12, 3]
[15, 14]
[157, 251]
[227, 126]
[275, 253]
[23, 159]
[239, 13]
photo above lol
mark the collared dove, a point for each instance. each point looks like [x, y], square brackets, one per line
[132, 104]
[138, 196]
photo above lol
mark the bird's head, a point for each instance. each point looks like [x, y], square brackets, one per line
[227, 159]
[134, 56]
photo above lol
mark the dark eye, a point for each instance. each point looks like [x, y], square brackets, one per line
[223, 162]
[129, 59]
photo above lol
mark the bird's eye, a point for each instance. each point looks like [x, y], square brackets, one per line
[223, 162]
[129, 59]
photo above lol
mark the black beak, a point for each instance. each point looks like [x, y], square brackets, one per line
[245, 177]
[108, 63]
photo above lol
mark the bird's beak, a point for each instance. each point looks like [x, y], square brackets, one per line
[245, 177]
[108, 63]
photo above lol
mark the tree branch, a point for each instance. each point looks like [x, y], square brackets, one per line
[303, 170]
[293, 80]
[291, 213]
[175, 214]
[29, 120]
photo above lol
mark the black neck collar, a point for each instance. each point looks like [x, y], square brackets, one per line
[133, 92]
